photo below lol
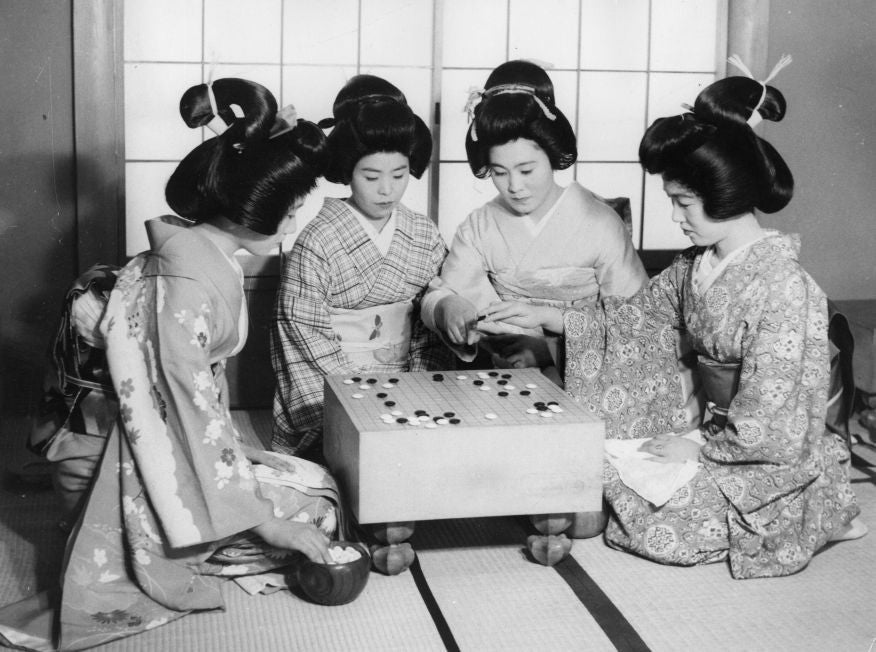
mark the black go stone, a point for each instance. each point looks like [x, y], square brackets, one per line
[455, 421]
[401, 420]
[478, 382]
[389, 403]
[503, 393]
[450, 415]
[525, 392]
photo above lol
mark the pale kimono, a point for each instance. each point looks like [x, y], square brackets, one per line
[579, 251]
[174, 496]
[346, 307]
[772, 484]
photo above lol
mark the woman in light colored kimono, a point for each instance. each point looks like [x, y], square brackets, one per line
[349, 296]
[175, 504]
[762, 482]
[536, 241]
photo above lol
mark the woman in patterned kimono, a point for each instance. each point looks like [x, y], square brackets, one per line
[175, 503]
[536, 241]
[349, 297]
[761, 482]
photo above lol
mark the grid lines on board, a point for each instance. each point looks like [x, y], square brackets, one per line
[455, 398]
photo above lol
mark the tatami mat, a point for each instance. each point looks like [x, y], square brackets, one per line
[493, 597]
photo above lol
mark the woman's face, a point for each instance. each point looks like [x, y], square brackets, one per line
[522, 173]
[688, 213]
[262, 245]
[378, 183]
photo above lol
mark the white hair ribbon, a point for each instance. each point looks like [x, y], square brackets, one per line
[783, 62]
[286, 120]
[476, 95]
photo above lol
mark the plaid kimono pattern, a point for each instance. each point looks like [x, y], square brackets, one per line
[335, 264]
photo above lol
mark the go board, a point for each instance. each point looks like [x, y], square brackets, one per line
[454, 444]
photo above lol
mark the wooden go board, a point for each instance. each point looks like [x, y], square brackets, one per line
[455, 444]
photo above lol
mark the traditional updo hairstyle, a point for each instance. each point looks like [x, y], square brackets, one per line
[713, 151]
[371, 115]
[518, 102]
[245, 174]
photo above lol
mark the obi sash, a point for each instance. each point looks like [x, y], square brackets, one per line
[375, 336]
[720, 383]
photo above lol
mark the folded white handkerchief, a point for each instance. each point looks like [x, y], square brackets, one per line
[653, 481]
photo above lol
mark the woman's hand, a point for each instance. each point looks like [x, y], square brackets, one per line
[86, 313]
[519, 351]
[525, 315]
[671, 448]
[260, 456]
[291, 535]
[457, 318]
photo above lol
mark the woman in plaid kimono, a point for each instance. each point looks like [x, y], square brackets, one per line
[175, 504]
[348, 301]
[763, 483]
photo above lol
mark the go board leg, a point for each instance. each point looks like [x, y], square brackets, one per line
[397, 555]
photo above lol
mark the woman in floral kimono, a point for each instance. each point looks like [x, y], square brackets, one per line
[536, 241]
[349, 296]
[762, 482]
[175, 503]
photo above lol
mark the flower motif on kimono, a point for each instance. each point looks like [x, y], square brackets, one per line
[224, 471]
[99, 557]
[212, 433]
[142, 557]
[576, 323]
[614, 399]
[717, 300]
[630, 317]
[126, 412]
[660, 540]
[128, 276]
[107, 576]
[789, 555]
[681, 497]
[788, 345]
[126, 387]
[640, 428]
[733, 487]
[749, 432]
[160, 292]
[202, 335]
[202, 380]
[591, 363]
[301, 517]
[667, 338]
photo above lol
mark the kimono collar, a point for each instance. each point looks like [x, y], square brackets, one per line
[177, 250]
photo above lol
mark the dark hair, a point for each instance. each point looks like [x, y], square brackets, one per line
[371, 115]
[714, 152]
[502, 117]
[244, 174]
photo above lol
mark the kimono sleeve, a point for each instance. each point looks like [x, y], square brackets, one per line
[159, 336]
[622, 359]
[427, 351]
[619, 270]
[465, 272]
[304, 347]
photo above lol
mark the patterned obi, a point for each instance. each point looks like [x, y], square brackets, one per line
[380, 335]
[720, 383]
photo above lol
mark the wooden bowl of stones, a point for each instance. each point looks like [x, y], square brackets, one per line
[339, 582]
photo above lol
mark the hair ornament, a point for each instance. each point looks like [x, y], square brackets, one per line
[286, 120]
[476, 96]
[216, 125]
[783, 62]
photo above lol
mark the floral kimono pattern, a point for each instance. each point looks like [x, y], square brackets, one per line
[174, 496]
[773, 484]
[335, 266]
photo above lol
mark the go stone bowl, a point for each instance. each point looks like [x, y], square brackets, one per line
[335, 584]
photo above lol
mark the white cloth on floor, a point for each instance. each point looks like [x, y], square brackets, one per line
[653, 481]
